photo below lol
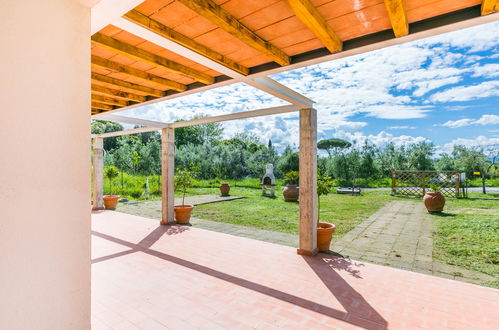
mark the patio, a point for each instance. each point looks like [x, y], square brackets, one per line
[174, 277]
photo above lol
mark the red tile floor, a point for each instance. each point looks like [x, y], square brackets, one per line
[146, 276]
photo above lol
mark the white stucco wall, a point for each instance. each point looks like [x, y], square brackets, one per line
[44, 165]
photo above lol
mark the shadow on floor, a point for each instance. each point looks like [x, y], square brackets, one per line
[359, 312]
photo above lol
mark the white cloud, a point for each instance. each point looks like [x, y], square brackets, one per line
[401, 127]
[490, 70]
[458, 123]
[467, 93]
[484, 142]
[483, 120]
[397, 112]
[488, 120]
[381, 139]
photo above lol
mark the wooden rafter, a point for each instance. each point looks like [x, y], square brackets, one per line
[100, 106]
[109, 100]
[118, 94]
[220, 17]
[142, 55]
[489, 6]
[398, 17]
[126, 84]
[311, 17]
[135, 73]
[166, 32]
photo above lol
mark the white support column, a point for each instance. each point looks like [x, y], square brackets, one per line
[167, 172]
[98, 180]
[308, 182]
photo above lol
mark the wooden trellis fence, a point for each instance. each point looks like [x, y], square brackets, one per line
[416, 183]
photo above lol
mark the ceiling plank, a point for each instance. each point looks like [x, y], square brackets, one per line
[118, 94]
[100, 106]
[221, 18]
[166, 32]
[489, 7]
[109, 100]
[310, 16]
[128, 85]
[398, 17]
[142, 55]
[132, 72]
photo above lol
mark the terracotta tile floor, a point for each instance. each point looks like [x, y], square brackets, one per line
[146, 276]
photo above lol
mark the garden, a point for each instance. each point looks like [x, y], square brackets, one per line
[465, 234]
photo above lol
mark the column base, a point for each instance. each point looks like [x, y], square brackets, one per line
[307, 252]
[98, 208]
[167, 223]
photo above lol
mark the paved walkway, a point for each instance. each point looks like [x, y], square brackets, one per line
[400, 235]
[146, 276]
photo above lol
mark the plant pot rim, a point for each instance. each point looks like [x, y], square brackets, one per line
[224, 183]
[292, 184]
[184, 206]
[433, 193]
[326, 225]
[111, 196]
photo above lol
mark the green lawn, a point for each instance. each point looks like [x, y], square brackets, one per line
[467, 235]
[275, 214]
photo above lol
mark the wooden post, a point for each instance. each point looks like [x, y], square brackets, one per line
[98, 165]
[308, 182]
[167, 172]
[394, 178]
[458, 185]
[423, 182]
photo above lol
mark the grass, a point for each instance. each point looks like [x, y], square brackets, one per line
[467, 235]
[344, 211]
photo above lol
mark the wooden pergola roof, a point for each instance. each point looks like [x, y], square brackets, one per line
[158, 49]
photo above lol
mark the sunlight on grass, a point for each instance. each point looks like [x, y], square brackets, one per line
[468, 235]
[344, 211]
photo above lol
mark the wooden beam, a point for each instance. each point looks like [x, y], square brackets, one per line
[142, 55]
[398, 17]
[237, 115]
[489, 6]
[126, 84]
[166, 32]
[127, 132]
[220, 17]
[133, 121]
[167, 176]
[308, 182]
[135, 73]
[310, 16]
[118, 94]
[101, 106]
[108, 100]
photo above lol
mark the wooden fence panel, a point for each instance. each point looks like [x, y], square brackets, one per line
[416, 183]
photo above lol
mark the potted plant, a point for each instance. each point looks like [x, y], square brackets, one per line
[291, 191]
[183, 180]
[324, 230]
[433, 199]
[111, 201]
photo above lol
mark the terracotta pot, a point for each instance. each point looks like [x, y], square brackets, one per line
[183, 213]
[291, 193]
[110, 201]
[324, 235]
[224, 189]
[434, 201]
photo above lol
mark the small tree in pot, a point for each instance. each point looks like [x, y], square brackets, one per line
[291, 191]
[183, 181]
[111, 201]
[324, 230]
[433, 200]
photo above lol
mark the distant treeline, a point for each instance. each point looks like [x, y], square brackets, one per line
[245, 155]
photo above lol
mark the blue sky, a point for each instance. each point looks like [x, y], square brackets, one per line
[443, 89]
